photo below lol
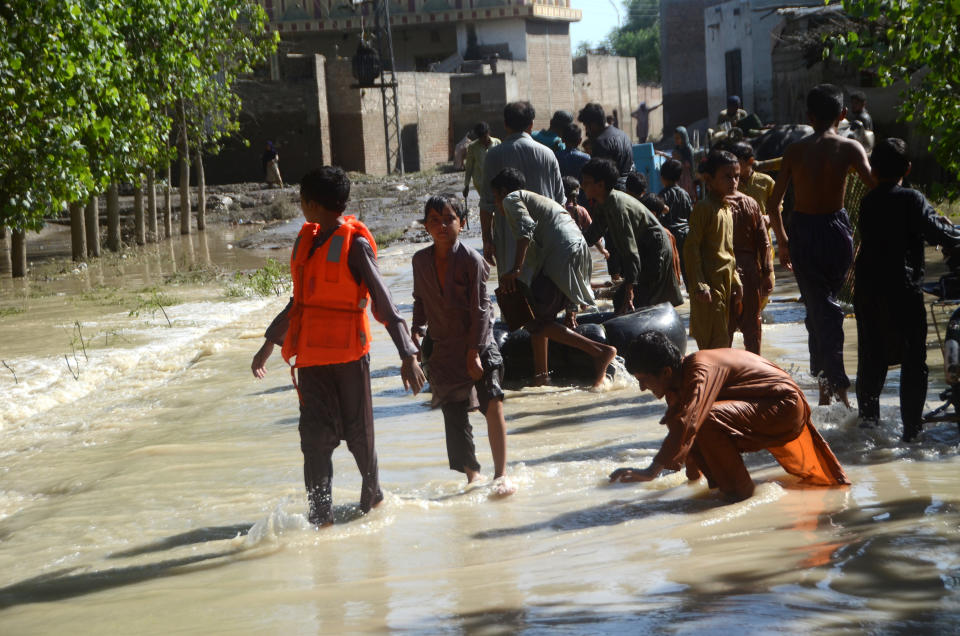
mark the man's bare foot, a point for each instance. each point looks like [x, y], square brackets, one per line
[841, 394]
[603, 361]
[503, 487]
[472, 475]
[826, 392]
[829, 392]
[541, 379]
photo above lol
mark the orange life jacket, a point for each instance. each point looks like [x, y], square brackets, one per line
[328, 320]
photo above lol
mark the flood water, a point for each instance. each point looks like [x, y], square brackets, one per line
[149, 485]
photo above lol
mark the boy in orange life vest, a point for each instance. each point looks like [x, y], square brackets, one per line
[464, 365]
[325, 334]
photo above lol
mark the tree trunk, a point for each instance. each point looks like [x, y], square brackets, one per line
[168, 205]
[201, 191]
[184, 143]
[113, 218]
[93, 227]
[78, 236]
[18, 253]
[140, 233]
[4, 251]
[152, 205]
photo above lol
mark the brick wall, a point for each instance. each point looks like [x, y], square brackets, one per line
[610, 81]
[356, 119]
[346, 119]
[683, 62]
[476, 98]
[290, 113]
[549, 71]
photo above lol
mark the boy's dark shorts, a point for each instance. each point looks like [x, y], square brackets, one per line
[546, 301]
[488, 386]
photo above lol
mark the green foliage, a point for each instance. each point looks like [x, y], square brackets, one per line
[270, 280]
[87, 89]
[639, 38]
[917, 42]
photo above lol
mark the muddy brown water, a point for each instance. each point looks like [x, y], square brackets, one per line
[149, 485]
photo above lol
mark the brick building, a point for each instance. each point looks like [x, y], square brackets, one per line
[457, 62]
[683, 69]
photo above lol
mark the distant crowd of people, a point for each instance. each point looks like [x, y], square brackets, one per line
[544, 199]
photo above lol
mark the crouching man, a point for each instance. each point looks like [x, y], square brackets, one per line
[721, 403]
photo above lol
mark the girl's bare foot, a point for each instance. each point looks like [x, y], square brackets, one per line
[472, 475]
[602, 361]
[541, 379]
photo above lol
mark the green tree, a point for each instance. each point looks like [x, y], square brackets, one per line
[639, 38]
[917, 42]
[62, 72]
[87, 90]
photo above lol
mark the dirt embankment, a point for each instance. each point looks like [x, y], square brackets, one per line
[390, 206]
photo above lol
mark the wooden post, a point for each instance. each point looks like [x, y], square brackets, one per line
[78, 235]
[140, 233]
[168, 205]
[201, 191]
[18, 253]
[113, 218]
[152, 205]
[93, 226]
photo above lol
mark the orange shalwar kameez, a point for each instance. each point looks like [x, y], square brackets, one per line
[728, 402]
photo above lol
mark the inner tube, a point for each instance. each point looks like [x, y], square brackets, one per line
[604, 327]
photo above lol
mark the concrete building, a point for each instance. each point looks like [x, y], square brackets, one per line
[458, 62]
[739, 39]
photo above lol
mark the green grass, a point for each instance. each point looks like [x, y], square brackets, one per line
[151, 300]
[384, 239]
[270, 280]
[11, 311]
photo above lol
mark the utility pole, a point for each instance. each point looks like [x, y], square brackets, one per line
[368, 64]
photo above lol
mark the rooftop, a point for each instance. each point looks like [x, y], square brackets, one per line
[299, 16]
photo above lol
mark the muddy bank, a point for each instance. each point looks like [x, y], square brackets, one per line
[390, 206]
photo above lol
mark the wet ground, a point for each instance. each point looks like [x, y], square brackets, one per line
[149, 485]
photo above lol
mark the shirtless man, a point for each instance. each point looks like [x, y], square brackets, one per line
[818, 245]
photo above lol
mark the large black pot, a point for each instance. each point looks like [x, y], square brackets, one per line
[569, 363]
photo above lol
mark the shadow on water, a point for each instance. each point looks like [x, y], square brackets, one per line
[57, 586]
[888, 565]
[589, 418]
[385, 372]
[276, 389]
[590, 454]
[608, 514]
[200, 535]
[639, 398]
[892, 563]
[643, 617]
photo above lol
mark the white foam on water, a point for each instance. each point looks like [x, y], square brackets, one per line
[150, 353]
[621, 379]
